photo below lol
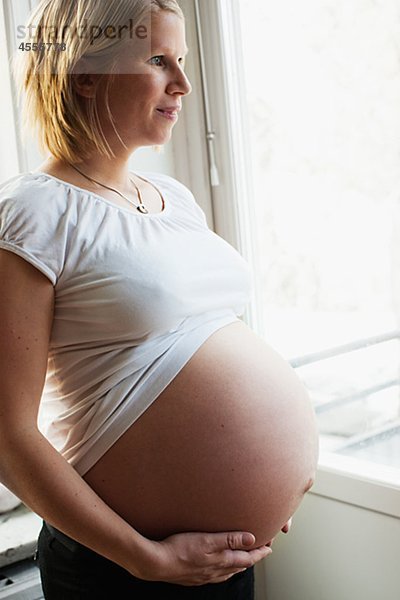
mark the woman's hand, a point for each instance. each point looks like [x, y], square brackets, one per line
[200, 558]
[285, 529]
[287, 526]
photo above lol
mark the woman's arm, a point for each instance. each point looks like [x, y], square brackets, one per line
[32, 468]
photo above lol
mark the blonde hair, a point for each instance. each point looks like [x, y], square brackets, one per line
[51, 107]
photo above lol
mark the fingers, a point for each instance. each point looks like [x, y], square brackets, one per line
[234, 547]
[245, 558]
[287, 526]
[259, 553]
[247, 539]
[232, 540]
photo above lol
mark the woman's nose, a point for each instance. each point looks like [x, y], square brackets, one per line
[180, 84]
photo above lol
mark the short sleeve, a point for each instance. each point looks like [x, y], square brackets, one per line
[31, 226]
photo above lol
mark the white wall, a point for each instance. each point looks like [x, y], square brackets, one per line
[335, 551]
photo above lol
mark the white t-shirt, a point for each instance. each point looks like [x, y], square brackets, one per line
[135, 296]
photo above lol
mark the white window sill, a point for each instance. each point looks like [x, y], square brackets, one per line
[361, 483]
[19, 530]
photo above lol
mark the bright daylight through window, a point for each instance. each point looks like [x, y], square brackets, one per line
[323, 96]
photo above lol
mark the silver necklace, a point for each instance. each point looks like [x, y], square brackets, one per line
[141, 207]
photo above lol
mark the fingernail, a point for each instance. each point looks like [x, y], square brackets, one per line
[248, 539]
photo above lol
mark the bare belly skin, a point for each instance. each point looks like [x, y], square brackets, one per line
[230, 444]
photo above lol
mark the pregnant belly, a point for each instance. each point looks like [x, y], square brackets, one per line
[230, 444]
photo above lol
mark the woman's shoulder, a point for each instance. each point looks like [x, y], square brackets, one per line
[33, 210]
[16, 186]
[30, 191]
[34, 223]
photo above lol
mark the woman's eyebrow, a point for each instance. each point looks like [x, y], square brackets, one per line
[167, 51]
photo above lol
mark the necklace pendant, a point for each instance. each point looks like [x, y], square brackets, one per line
[142, 209]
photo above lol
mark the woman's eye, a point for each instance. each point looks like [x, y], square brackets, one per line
[157, 60]
[160, 61]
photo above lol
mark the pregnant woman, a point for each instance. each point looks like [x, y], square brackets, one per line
[161, 440]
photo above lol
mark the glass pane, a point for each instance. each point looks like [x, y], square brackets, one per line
[322, 83]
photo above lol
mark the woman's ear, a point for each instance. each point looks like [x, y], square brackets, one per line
[84, 81]
[85, 84]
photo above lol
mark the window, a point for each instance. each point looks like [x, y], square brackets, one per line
[322, 127]
[311, 91]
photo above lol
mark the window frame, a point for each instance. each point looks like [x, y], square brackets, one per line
[231, 207]
[10, 150]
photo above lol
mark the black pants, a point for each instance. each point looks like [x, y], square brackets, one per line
[70, 571]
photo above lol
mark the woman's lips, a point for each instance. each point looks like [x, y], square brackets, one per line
[171, 115]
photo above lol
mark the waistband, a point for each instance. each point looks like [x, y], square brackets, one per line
[62, 537]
